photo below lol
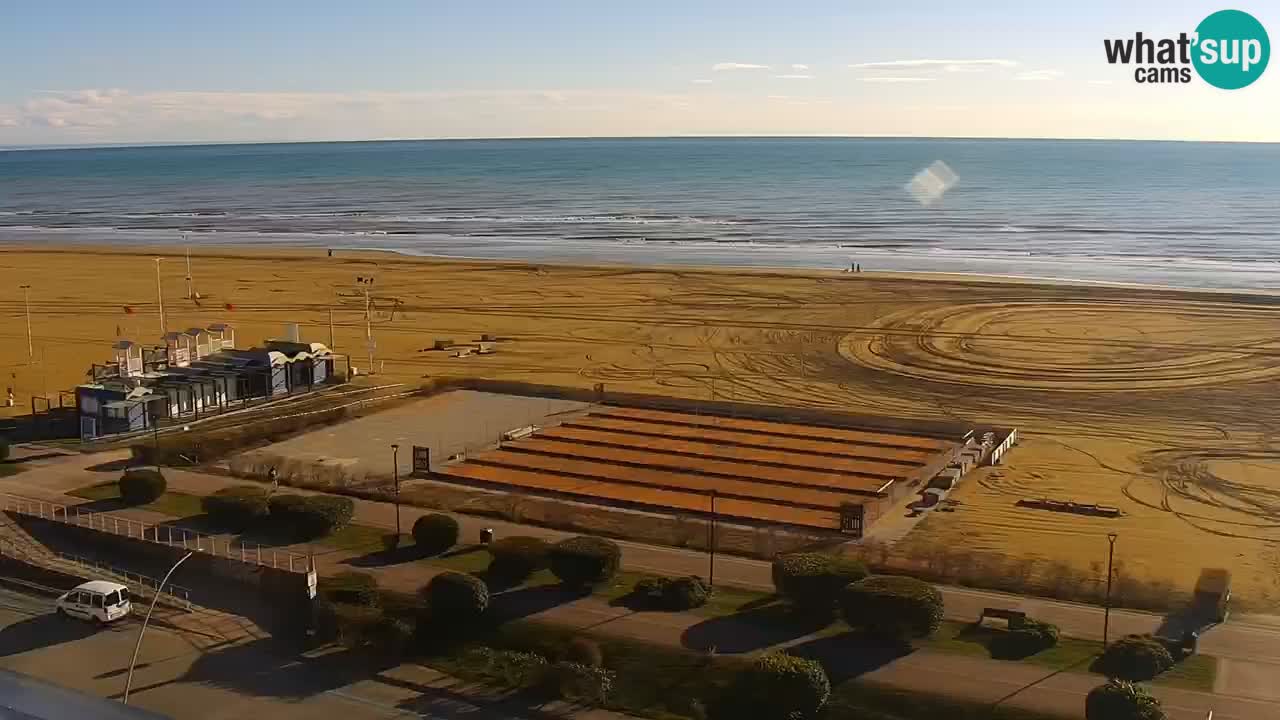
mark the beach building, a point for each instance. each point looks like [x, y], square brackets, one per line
[193, 372]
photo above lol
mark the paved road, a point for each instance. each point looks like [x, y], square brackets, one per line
[177, 679]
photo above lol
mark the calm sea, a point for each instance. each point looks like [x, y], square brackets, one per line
[1186, 214]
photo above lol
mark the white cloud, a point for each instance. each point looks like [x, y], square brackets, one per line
[799, 67]
[948, 65]
[793, 77]
[1040, 75]
[700, 81]
[896, 79]
[719, 67]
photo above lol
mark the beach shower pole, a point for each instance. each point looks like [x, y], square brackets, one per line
[164, 328]
[395, 471]
[190, 294]
[26, 302]
[368, 329]
[711, 573]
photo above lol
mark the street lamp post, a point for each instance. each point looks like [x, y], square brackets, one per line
[128, 683]
[711, 544]
[395, 470]
[26, 303]
[1106, 608]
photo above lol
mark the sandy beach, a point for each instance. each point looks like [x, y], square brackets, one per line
[1160, 402]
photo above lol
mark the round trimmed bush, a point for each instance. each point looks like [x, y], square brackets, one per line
[584, 561]
[584, 651]
[321, 515]
[1133, 658]
[892, 607]
[1121, 700]
[140, 486]
[350, 625]
[454, 597]
[778, 686]
[285, 510]
[813, 581]
[237, 507]
[351, 588]
[392, 635]
[686, 593]
[435, 533]
[1029, 639]
[515, 558]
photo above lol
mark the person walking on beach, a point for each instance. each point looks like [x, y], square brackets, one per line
[274, 477]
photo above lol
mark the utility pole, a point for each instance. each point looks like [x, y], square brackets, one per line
[395, 470]
[164, 328]
[1106, 608]
[190, 290]
[26, 302]
[711, 575]
[368, 329]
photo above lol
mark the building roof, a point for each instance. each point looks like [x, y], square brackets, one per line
[194, 331]
[123, 344]
[219, 326]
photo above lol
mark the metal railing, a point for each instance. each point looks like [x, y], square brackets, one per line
[159, 533]
[139, 585]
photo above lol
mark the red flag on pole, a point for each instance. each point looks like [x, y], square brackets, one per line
[128, 310]
[229, 306]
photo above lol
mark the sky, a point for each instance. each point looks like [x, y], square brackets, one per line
[137, 71]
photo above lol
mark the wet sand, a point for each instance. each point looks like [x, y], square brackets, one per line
[1160, 402]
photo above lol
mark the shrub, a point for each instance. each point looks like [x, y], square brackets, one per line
[350, 625]
[813, 581]
[236, 507]
[584, 561]
[286, 511]
[1025, 641]
[516, 558]
[683, 593]
[351, 588]
[1134, 657]
[453, 597]
[511, 668]
[892, 607]
[392, 635]
[585, 683]
[435, 533]
[321, 515]
[141, 486]
[1120, 700]
[584, 651]
[777, 686]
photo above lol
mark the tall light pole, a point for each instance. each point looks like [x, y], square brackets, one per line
[711, 542]
[164, 328]
[128, 683]
[395, 473]
[26, 302]
[1106, 608]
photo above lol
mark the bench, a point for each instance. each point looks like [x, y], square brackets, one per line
[1014, 618]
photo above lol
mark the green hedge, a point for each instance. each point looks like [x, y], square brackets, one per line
[584, 561]
[140, 486]
[1133, 658]
[892, 607]
[351, 588]
[350, 625]
[237, 507]
[323, 515]
[1032, 637]
[455, 598]
[675, 594]
[814, 581]
[777, 686]
[515, 558]
[435, 533]
[1120, 700]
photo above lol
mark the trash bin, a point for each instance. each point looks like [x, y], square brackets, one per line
[486, 536]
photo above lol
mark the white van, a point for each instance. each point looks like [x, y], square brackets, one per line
[97, 600]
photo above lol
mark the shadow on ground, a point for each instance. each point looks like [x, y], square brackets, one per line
[448, 701]
[42, 631]
[848, 655]
[112, 466]
[527, 601]
[383, 558]
[266, 668]
[752, 629]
